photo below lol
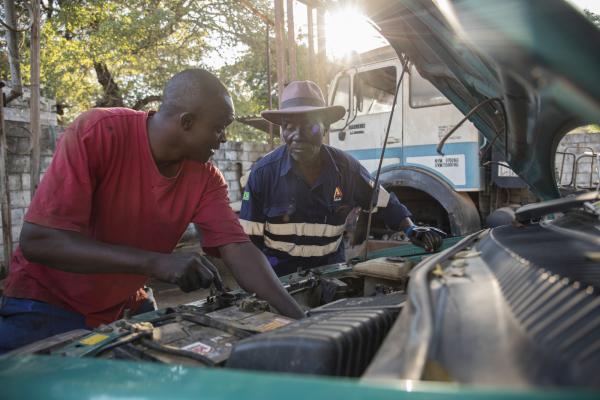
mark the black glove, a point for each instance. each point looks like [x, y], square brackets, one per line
[189, 270]
[426, 237]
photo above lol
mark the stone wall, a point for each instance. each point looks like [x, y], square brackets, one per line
[576, 145]
[16, 123]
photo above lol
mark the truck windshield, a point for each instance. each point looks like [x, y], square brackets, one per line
[374, 90]
[422, 92]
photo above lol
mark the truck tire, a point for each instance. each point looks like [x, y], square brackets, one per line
[462, 213]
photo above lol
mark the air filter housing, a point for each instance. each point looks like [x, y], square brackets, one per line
[336, 343]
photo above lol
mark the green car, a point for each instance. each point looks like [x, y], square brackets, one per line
[511, 311]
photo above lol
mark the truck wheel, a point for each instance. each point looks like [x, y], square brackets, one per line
[432, 200]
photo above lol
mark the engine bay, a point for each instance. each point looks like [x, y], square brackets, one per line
[349, 313]
[516, 306]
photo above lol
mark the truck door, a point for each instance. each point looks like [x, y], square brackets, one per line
[373, 96]
[428, 116]
[340, 96]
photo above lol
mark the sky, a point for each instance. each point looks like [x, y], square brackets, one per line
[350, 30]
[592, 5]
[347, 32]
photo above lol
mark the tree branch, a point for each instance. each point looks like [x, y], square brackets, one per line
[112, 94]
[144, 101]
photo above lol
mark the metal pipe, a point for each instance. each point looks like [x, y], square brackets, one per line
[466, 117]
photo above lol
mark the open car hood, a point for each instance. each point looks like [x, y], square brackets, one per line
[541, 58]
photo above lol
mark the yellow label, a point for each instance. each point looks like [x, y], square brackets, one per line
[94, 339]
[337, 195]
[276, 323]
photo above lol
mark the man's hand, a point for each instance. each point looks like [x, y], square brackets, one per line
[426, 237]
[190, 271]
[254, 274]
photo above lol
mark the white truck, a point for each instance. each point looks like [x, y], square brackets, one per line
[449, 191]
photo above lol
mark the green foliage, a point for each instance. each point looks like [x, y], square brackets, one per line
[138, 45]
[141, 43]
[116, 53]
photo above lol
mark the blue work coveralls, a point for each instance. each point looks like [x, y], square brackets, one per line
[299, 226]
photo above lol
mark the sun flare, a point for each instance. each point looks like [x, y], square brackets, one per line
[348, 31]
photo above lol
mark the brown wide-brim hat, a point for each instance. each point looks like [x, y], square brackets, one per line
[303, 97]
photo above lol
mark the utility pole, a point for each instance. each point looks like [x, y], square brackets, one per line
[291, 41]
[16, 91]
[4, 196]
[322, 55]
[311, 42]
[34, 102]
[279, 48]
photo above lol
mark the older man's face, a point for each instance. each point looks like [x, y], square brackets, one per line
[304, 137]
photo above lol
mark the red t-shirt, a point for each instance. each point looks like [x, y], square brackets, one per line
[103, 182]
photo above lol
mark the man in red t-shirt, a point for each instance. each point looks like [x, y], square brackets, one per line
[121, 190]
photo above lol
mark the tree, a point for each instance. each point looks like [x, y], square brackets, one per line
[114, 53]
[108, 53]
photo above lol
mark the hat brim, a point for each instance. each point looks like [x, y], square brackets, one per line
[328, 114]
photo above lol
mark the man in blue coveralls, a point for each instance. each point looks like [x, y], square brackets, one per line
[298, 196]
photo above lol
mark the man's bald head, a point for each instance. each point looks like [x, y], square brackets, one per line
[189, 90]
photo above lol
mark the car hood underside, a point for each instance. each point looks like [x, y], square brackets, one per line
[539, 58]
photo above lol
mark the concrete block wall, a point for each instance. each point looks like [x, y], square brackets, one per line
[578, 143]
[234, 158]
[16, 123]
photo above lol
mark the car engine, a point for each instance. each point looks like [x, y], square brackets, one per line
[350, 311]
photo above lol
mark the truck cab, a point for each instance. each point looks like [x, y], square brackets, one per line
[440, 190]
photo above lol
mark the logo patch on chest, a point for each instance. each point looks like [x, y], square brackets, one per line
[337, 195]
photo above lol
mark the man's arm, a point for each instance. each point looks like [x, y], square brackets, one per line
[73, 252]
[254, 274]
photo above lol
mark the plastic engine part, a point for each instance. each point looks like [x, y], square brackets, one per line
[336, 343]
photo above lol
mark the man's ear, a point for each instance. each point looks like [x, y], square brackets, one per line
[186, 120]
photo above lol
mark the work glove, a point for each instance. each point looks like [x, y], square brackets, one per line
[427, 237]
[190, 271]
